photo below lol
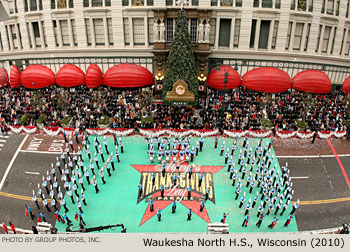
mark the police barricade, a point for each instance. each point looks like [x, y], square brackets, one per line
[218, 228]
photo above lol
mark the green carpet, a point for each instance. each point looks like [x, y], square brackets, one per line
[117, 201]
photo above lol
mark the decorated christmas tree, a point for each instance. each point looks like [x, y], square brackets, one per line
[181, 63]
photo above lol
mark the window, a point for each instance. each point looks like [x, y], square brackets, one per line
[62, 4]
[169, 2]
[347, 46]
[337, 8]
[44, 37]
[318, 38]
[334, 34]
[99, 31]
[274, 34]
[125, 2]
[323, 6]
[1, 46]
[278, 4]
[96, 3]
[226, 3]
[29, 35]
[330, 7]
[225, 32]
[86, 3]
[256, 3]
[25, 5]
[214, 3]
[126, 31]
[236, 32]
[74, 32]
[7, 36]
[14, 36]
[138, 31]
[65, 32]
[137, 2]
[347, 9]
[33, 6]
[54, 24]
[288, 35]
[298, 36]
[292, 4]
[195, 2]
[342, 42]
[307, 37]
[212, 31]
[302, 5]
[193, 29]
[238, 3]
[325, 41]
[107, 3]
[264, 34]
[150, 2]
[150, 31]
[266, 3]
[36, 32]
[110, 31]
[88, 31]
[169, 29]
[252, 34]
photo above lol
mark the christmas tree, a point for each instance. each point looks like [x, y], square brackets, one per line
[181, 63]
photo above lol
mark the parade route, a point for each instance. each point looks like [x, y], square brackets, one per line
[318, 182]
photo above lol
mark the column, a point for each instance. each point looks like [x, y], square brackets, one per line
[19, 42]
[5, 45]
[308, 2]
[273, 3]
[319, 49]
[32, 37]
[105, 27]
[291, 44]
[9, 34]
[145, 26]
[330, 40]
[233, 26]
[303, 38]
[37, 6]
[41, 31]
[272, 25]
[216, 44]
[344, 42]
[131, 33]
[117, 24]
[92, 31]
[257, 34]
[59, 33]
[70, 30]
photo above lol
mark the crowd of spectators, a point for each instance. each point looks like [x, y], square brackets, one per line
[237, 109]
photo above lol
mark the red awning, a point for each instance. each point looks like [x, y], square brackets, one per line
[128, 76]
[346, 85]
[15, 77]
[216, 78]
[69, 76]
[3, 77]
[37, 76]
[312, 81]
[267, 80]
[94, 76]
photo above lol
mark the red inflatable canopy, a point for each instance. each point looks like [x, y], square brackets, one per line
[3, 77]
[216, 78]
[127, 76]
[346, 85]
[69, 76]
[94, 76]
[37, 76]
[267, 80]
[312, 81]
[15, 77]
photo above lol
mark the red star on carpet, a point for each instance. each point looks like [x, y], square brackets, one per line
[162, 204]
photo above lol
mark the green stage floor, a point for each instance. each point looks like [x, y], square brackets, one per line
[118, 202]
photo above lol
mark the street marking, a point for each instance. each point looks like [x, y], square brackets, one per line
[41, 152]
[1, 145]
[299, 177]
[28, 198]
[320, 202]
[4, 136]
[35, 173]
[12, 161]
[315, 156]
[340, 163]
[3, 141]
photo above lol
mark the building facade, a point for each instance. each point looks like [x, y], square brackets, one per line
[293, 35]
